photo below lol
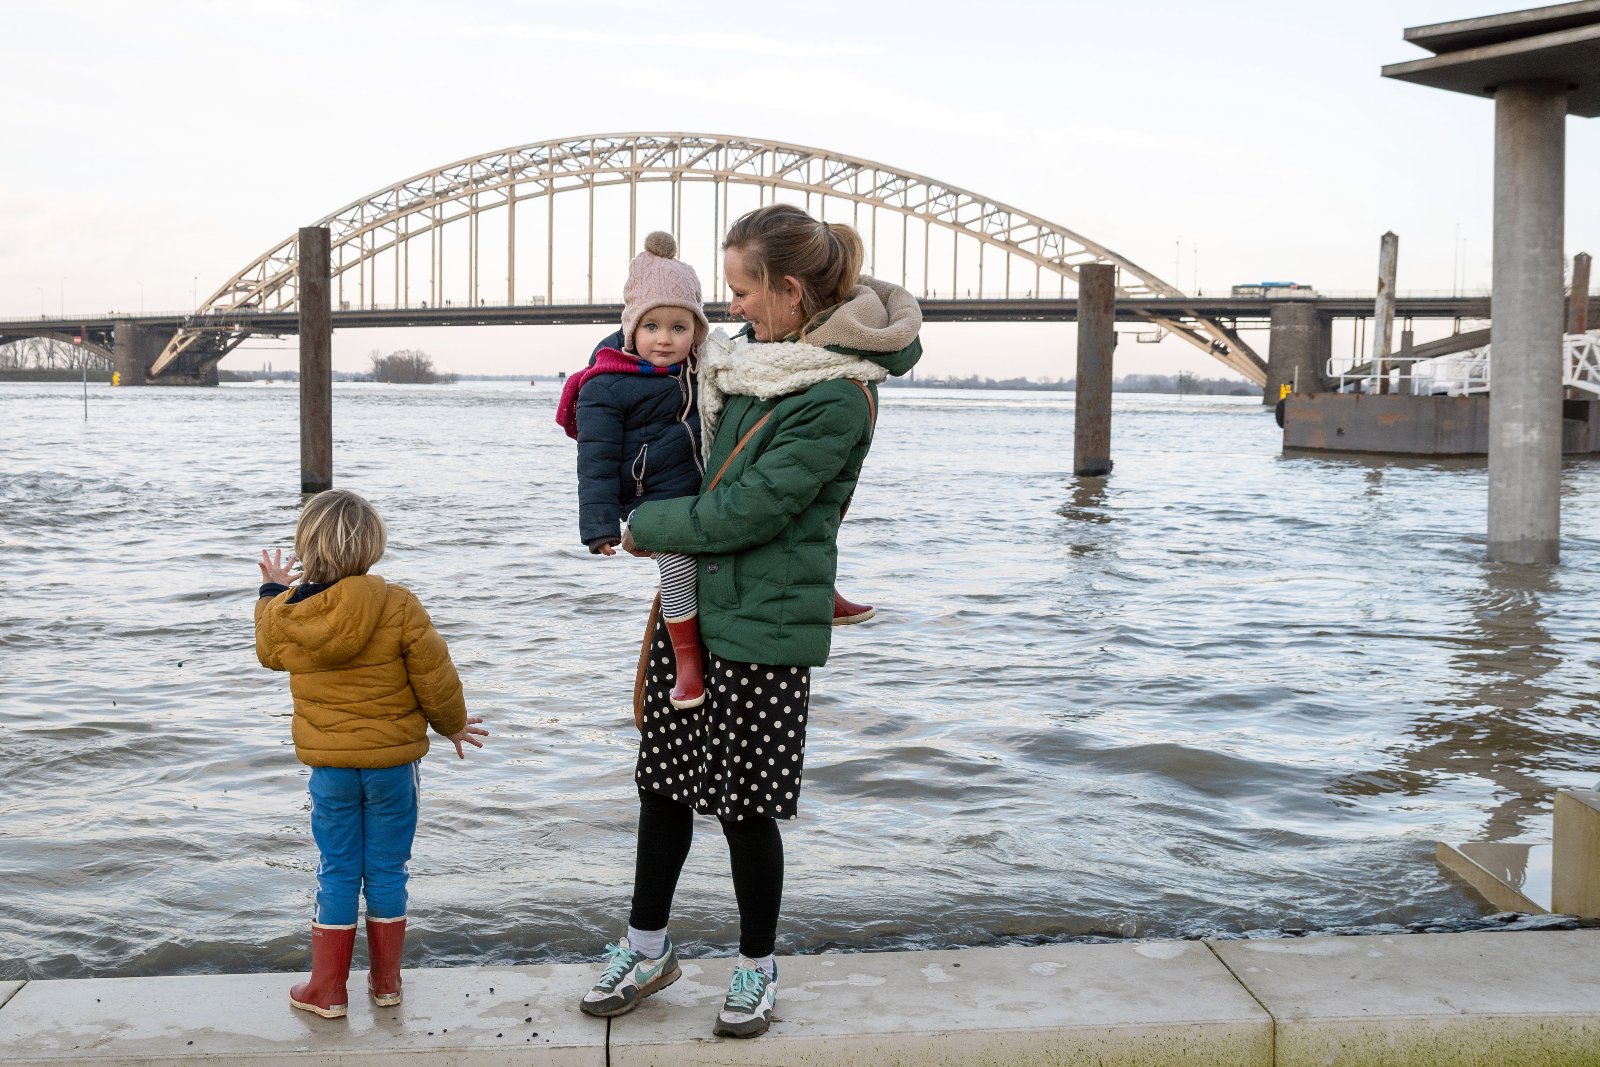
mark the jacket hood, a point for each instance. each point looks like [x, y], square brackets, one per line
[331, 627]
[879, 321]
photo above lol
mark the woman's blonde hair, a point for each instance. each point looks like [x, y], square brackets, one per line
[339, 534]
[782, 240]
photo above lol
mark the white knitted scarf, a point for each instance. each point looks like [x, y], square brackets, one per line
[731, 366]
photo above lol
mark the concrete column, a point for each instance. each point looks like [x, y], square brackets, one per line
[1297, 347]
[1383, 309]
[1575, 854]
[1097, 340]
[134, 349]
[1525, 335]
[316, 360]
[1578, 302]
[1407, 342]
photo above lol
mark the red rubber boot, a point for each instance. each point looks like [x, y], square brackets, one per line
[846, 613]
[689, 690]
[324, 994]
[386, 941]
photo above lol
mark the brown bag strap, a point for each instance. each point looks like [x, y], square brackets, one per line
[751, 432]
[642, 669]
[872, 405]
[872, 418]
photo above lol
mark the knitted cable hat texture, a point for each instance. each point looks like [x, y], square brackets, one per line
[657, 279]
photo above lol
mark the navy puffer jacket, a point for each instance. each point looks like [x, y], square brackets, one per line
[637, 441]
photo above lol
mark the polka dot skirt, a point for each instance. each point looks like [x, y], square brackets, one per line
[738, 755]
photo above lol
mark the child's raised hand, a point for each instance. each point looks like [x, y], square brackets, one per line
[466, 734]
[608, 547]
[274, 569]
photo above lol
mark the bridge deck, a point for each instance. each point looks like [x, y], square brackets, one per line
[1239, 310]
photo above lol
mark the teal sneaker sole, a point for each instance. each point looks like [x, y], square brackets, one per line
[753, 1028]
[610, 1009]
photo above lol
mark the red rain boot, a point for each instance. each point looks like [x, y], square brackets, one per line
[689, 691]
[386, 940]
[846, 613]
[324, 994]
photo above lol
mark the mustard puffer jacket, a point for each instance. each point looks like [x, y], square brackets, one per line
[368, 672]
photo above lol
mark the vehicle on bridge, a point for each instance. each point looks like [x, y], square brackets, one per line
[1276, 290]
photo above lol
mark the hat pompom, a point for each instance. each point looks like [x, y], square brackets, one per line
[660, 243]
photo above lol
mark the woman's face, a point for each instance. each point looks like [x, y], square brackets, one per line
[772, 314]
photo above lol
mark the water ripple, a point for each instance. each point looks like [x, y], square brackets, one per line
[1221, 691]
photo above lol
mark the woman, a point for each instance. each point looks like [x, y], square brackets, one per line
[787, 411]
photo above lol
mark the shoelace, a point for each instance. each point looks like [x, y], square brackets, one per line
[746, 988]
[621, 960]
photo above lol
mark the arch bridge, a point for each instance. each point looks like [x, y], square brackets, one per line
[484, 234]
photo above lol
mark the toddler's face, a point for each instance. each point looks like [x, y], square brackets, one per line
[664, 336]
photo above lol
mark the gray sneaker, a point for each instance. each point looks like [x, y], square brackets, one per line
[629, 977]
[747, 1011]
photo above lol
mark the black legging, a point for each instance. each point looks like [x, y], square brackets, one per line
[755, 849]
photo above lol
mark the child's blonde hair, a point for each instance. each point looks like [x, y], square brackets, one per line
[339, 534]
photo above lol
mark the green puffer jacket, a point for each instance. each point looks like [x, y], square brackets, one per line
[767, 536]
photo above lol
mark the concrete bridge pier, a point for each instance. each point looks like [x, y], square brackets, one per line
[1538, 65]
[1525, 336]
[1298, 349]
[135, 348]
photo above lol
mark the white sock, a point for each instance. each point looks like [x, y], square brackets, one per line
[653, 943]
[768, 965]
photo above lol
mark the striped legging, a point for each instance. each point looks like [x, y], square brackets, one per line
[678, 600]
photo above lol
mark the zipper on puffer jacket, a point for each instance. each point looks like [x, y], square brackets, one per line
[639, 469]
[686, 387]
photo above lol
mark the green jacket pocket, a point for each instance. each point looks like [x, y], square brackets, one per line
[719, 583]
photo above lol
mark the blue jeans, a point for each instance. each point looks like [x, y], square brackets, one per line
[363, 822]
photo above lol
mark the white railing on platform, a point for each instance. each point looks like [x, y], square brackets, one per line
[1581, 361]
[1468, 373]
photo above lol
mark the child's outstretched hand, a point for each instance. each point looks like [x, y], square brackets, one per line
[274, 569]
[466, 733]
[607, 547]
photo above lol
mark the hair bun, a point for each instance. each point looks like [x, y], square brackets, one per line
[660, 243]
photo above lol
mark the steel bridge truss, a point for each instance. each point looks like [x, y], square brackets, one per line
[388, 221]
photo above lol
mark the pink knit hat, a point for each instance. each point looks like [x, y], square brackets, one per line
[656, 279]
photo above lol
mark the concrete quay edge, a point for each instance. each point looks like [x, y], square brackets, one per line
[1469, 999]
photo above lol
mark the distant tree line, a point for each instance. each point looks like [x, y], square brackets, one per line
[408, 366]
[1181, 383]
[42, 353]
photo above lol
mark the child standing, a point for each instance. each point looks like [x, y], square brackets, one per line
[369, 674]
[634, 414]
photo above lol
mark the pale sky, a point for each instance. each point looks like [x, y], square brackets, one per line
[154, 149]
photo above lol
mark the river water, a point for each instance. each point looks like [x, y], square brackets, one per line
[1221, 691]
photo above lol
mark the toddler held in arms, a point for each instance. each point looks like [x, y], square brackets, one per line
[369, 675]
[634, 411]
[634, 415]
